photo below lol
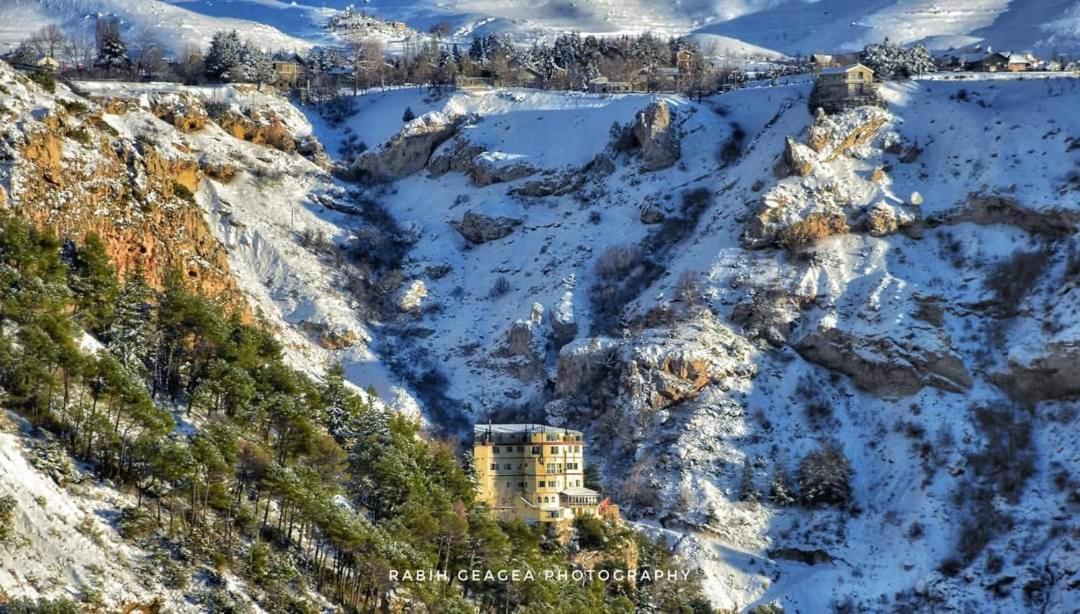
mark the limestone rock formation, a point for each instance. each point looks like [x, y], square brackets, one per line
[657, 134]
[799, 158]
[185, 112]
[455, 155]
[409, 151]
[489, 168]
[260, 128]
[478, 228]
[658, 369]
[887, 365]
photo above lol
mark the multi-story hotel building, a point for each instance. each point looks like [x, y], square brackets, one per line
[532, 472]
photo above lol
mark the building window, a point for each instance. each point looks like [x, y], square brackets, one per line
[558, 468]
[536, 449]
[496, 450]
[506, 466]
[551, 467]
[494, 466]
[521, 449]
[521, 484]
[541, 484]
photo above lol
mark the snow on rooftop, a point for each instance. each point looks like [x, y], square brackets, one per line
[509, 429]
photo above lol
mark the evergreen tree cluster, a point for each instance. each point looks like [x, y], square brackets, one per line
[242, 462]
[230, 59]
[891, 61]
[112, 52]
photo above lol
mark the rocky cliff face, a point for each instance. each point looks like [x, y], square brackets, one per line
[68, 169]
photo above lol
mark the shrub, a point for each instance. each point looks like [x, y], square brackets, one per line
[45, 79]
[1012, 280]
[825, 477]
[592, 533]
[500, 287]
[135, 523]
[805, 233]
[82, 135]
[617, 260]
[408, 115]
[74, 107]
[7, 517]
[182, 192]
[26, 605]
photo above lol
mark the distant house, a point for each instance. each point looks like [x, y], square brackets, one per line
[462, 82]
[47, 62]
[685, 59]
[843, 81]
[527, 77]
[993, 62]
[843, 87]
[287, 68]
[1018, 63]
[603, 85]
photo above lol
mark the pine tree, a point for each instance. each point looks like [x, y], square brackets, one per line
[224, 56]
[94, 284]
[825, 477]
[261, 67]
[408, 115]
[747, 490]
[112, 53]
[128, 334]
[780, 489]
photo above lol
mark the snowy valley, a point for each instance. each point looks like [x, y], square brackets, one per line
[714, 291]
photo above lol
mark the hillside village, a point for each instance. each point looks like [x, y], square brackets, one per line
[278, 325]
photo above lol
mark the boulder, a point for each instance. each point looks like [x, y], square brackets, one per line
[478, 228]
[564, 326]
[657, 134]
[409, 151]
[454, 155]
[888, 366]
[660, 368]
[1049, 376]
[491, 167]
[881, 219]
[410, 296]
[798, 157]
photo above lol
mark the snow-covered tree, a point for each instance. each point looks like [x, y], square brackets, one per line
[781, 491]
[747, 490]
[226, 53]
[128, 334]
[825, 477]
[111, 49]
[891, 61]
[261, 68]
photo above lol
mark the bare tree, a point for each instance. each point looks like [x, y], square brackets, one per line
[49, 41]
[366, 57]
[191, 64]
[79, 51]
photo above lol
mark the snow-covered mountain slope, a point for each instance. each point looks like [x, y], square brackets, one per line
[896, 346]
[735, 27]
[710, 302]
[66, 545]
[172, 25]
[788, 26]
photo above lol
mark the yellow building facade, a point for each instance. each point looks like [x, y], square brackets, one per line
[533, 472]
